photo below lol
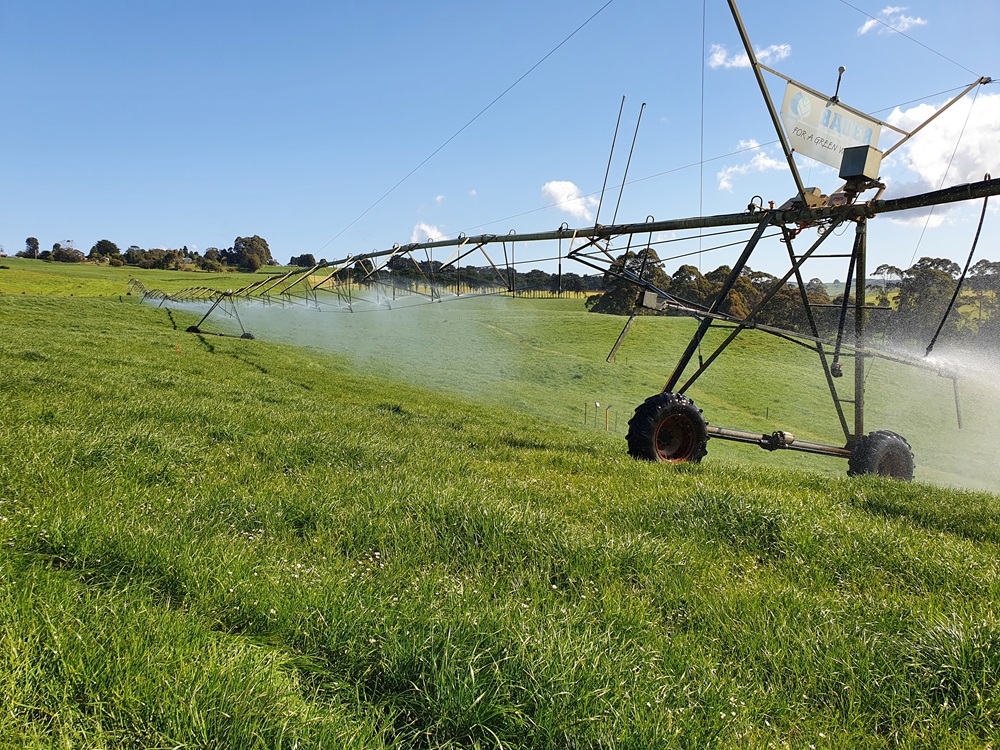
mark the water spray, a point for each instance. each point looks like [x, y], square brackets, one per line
[668, 426]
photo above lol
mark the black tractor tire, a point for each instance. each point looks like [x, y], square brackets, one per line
[668, 427]
[883, 453]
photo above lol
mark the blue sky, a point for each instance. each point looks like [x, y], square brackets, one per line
[192, 123]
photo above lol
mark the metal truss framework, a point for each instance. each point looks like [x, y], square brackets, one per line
[328, 283]
[370, 279]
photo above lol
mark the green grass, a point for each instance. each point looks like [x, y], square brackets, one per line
[547, 358]
[29, 276]
[212, 542]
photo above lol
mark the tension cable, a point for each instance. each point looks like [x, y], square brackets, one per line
[961, 279]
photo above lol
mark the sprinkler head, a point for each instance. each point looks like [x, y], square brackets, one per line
[837, 370]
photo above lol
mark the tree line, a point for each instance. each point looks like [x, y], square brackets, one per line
[910, 303]
[913, 301]
[408, 271]
[405, 272]
[919, 297]
[251, 253]
[246, 254]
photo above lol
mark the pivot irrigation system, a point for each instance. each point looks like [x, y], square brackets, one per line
[668, 426]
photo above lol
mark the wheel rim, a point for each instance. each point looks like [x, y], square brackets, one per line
[676, 439]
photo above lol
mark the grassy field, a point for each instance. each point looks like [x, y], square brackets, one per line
[547, 358]
[213, 542]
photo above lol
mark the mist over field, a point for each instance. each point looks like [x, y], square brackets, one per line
[548, 358]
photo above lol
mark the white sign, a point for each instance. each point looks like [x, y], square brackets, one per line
[821, 129]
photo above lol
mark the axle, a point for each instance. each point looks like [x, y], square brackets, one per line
[777, 441]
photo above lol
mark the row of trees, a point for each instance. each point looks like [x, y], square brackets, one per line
[250, 253]
[406, 270]
[920, 295]
[914, 300]
[246, 254]
[689, 284]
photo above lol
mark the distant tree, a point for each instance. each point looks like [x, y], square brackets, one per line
[817, 292]
[786, 309]
[536, 279]
[209, 265]
[481, 277]
[104, 249]
[573, 282]
[985, 276]
[155, 258]
[621, 296]
[30, 248]
[945, 265]
[250, 253]
[984, 281]
[816, 286]
[884, 291]
[159, 258]
[363, 270]
[62, 254]
[175, 259]
[742, 295]
[307, 260]
[688, 283]
[134, 255]
[924, 293]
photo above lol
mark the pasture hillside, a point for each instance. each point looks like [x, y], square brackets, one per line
[547, 358]
[215, 542]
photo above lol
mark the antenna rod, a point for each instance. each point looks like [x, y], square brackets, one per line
[627, 163]
[855, 212]
[767, 100]
[610, 156]
[836, 94]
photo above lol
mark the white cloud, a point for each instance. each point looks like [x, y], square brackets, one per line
[919, 218]
[960, 146]
[566, 196]
[426, 233]
[473, 193]
[439, 199]
[891, 18]
[761, 162]
[719, 57]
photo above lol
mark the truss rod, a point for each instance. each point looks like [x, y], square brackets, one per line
[593, 235]
[954, 194]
